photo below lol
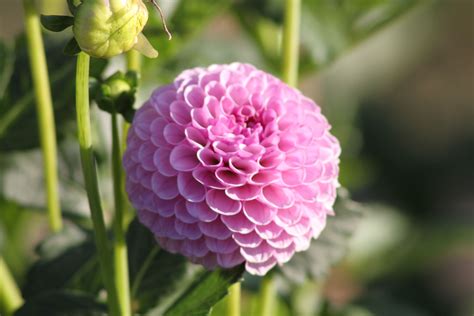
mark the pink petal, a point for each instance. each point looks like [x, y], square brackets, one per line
[264, 177]
[260, 268]
[282, 241]
[194, 96]
[156, 133]
[250, 240]
[300, 228]
[238, 223]
[183, 158]
[165, 187]
[229, 260]
[207, 178]
[261, 253]
[173, 133]
[180, 112]
[145, 155]
[190, 231]
[201, 211]
[269, 231]
[209, 158]
[258, 212]
[221, 203]
[277, 197]
[285, 254]
[292, 177]
[182, 213]
[189, 188]
[215, 229]
[195, 248]
[161, 160]
[230, 178]
[244, 193]
[221, 246]
[196, 137]
[289, 216]
[243, 166]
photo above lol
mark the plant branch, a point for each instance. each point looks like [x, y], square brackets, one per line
[10, 297]
[91, 181]
[233, 303]
[291, 39]
[120, 245]
[44, 106]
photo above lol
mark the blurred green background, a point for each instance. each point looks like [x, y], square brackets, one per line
[395, 79]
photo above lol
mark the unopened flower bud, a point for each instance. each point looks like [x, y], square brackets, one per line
[105, 28]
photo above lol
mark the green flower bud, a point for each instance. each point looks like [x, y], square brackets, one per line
[105, 28]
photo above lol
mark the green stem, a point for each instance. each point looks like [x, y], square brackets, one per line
[267, 296]
[10, 297]
[44, 106]
[233, 307]
[120, 245]
[134, 60]
[91, 181]
[291, 37]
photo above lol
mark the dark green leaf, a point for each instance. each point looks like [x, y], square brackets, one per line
[7, 60]
[328, 28]
[155, 275]
[72, 47]
[206, 290]
[18, 122]
[72, 5]
[62, 303]
[168, 284]
[67, 260]
[56, 23]
[330, 247]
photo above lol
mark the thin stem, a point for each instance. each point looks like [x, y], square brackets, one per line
[44, 106]
[134, 60]
[267, 296]
[91, 181]
[291, 37]
[10, 297]
[120, 245]
[233, 307]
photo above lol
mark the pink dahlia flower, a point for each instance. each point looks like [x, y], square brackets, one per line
[229, 165]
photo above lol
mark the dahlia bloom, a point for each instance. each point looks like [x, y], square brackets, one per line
[229, 165]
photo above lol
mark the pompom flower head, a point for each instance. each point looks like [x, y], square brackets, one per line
[229, 165]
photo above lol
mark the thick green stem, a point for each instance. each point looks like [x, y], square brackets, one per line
[268, 296]
[233, 307]
[291, 37]
[91, 181]
[120, 245]
[44, 106]
[10, 297]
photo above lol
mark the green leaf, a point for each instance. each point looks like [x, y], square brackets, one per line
[56, 23]
[18, 122]
[328, 28]
[72, 5]
[155, 275]
[207, 289]
[167, 284]
[330, 247]
[72, 47]
[62, 303]
[67, 260]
